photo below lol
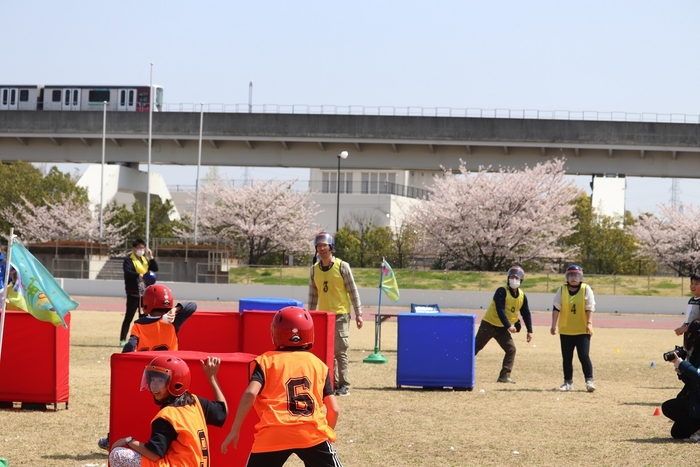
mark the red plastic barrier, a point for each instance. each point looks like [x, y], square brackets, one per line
[211, 331]
[43, 378]
[256, 339]
[249, 332]
[132, 410]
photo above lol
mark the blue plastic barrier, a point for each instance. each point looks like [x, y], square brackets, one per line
[266, 303]
[435, 350]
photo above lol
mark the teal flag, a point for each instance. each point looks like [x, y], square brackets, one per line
[36, 291]
[389, 284]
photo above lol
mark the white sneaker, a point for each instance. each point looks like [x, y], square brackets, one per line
[566, 387]
[590, 387]
[694, 438]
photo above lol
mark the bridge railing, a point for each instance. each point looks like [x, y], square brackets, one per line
[358, 187]
[391, 111]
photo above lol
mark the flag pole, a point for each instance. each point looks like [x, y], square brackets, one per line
[376, 357]
[4, 286]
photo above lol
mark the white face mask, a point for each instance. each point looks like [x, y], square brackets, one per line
[513, 283]
[140, 252]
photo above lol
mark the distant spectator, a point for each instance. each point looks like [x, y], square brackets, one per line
[138, 263]
[692, 312]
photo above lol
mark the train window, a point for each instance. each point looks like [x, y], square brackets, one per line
[24, 95]
[99, 95]
[13, 96]
[143, 99]
[122, 98]
[67, 98]
[159, 99]
[56, 95]
[75, 97]
[131, 98]
[4, 97]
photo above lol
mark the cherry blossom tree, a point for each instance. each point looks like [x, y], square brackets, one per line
[485, 220]
[672, 238]
[63, 218]
[261, 218]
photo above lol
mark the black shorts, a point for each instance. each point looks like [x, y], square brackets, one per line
[321, 455]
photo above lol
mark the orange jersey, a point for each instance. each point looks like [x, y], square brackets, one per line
[291, 401]
[157, 335]
[191, 447]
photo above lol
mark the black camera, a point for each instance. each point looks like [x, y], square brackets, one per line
[680, 351]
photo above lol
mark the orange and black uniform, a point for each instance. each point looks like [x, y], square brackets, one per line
[179, 435]
[290, 407]
[152, 333]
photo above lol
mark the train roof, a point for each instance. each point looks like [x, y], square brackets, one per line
[96, 86]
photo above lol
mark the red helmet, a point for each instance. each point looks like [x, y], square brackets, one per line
[173, 369]
[156, 297]
[292, 326]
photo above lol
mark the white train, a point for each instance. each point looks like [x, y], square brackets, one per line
[80, 98]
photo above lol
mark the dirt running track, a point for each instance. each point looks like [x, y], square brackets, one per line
[539, 318]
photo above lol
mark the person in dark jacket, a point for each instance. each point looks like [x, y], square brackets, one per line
[138, 263]
[684, 410]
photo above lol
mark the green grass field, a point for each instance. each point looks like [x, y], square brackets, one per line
[525, 424]
[661, 286]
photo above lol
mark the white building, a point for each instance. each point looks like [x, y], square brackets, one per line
[383, 197]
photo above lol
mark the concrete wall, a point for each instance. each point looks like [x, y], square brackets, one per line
[370, 296]
[383, 142]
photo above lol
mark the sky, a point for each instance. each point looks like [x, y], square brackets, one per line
[624, 56]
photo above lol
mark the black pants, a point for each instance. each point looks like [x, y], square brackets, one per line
[321, 455]
[488, 331]
[582, 343]
[677, 410]
[132, 304]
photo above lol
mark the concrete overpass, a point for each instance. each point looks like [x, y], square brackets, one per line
[375, 142]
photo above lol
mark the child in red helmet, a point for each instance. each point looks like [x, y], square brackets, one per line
[158, 328]
[183, 417]
[289, 387]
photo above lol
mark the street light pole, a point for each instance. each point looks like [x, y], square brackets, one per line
[150, 142]
[342, 155]
[250, 97]
[199, 164]
[102, 172]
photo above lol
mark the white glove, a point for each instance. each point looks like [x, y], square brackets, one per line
[169, 317]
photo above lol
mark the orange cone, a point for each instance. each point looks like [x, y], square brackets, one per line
[657, 412]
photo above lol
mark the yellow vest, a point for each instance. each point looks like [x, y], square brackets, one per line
[572, 315]
[332, 295]
[513, 306]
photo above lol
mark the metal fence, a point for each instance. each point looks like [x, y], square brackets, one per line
[412, 278]
[216, 263]
[469, 112]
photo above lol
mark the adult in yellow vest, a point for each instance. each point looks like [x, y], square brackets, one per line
[573, 311]
[501, 320]
[332, 288]
[138, 263]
